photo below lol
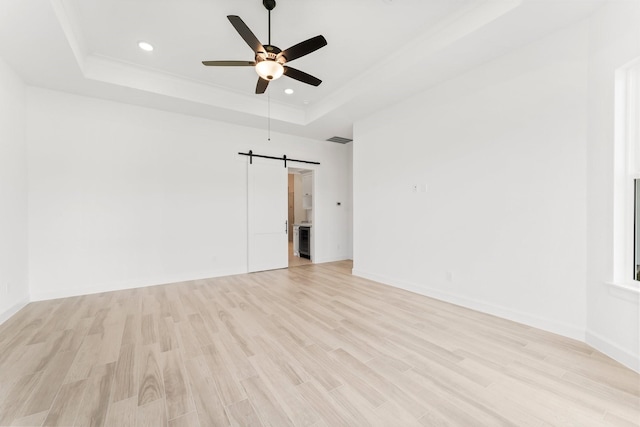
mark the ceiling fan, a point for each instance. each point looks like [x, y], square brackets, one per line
[269, 60]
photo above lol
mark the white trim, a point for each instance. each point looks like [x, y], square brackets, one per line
[625, 169]
[324, 260]
[632, 287]
[8, 313]
[619, 354]
[556, 327]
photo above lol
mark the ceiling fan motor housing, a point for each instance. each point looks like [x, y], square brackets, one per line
[272, 54]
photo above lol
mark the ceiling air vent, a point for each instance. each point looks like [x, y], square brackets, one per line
[339, 139]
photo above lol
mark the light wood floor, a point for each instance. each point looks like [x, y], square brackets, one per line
[307, 346]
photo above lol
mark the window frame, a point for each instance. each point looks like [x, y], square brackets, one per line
[626, 171]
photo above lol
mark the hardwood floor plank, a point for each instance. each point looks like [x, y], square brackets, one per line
[11, 405]
[131, 332]
[47, 389]
[285, 393]
[125, 380]
[95, 403]
[178, 396]
[86, 359]
[205, 395]
[149, 329]
[237, 361]
[122, 413]
[228, 386]
[269, 411]
[150, 381]
[111, 341]
[390, 388]
[390, 413]
[351, 402]
[66, 405]
[31, 420]
[326, 378]
[26, 361]
[14, 325]
[167, 334]
[19, 338]
[152, 414]
[322, 403]
[187, 420]
[97, 326]
[55, 320]
[236, 331]
[352, 378]
[242, 414]
[199, 329]
[187, 341]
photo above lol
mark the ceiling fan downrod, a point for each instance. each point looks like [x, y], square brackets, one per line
[269, 5]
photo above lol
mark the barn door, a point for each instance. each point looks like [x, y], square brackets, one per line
[268, 224]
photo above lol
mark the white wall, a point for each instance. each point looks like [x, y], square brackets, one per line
[613, 315]
[502, 151]
[14, 292]
[123, 196]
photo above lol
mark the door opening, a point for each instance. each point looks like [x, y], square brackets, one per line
[301, 215]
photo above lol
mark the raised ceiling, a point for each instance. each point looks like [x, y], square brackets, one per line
[378, 52]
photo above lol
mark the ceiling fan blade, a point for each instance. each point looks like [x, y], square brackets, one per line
[301, 76]
[246, 33]
[262, 85]
[229, 63]
[304, 48]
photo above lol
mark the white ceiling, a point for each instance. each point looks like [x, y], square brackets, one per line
[378, 52]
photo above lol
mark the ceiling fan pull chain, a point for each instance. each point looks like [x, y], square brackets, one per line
[269, 116]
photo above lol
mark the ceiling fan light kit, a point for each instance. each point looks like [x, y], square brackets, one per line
[269, 69]
[269, 59]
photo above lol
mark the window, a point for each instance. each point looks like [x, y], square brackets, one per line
[627, 176]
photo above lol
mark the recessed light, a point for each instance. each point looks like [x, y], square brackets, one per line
[147, 47]
[305, 102]
[288, 91]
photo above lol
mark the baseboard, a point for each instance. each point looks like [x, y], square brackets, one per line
[614, 351]
[120, 286]
[528, 319]
[331, 259]
[5, 315]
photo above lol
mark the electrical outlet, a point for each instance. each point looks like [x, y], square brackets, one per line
[449, 275]
[5, 288]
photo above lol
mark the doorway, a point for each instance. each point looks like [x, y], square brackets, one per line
[300, 214]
